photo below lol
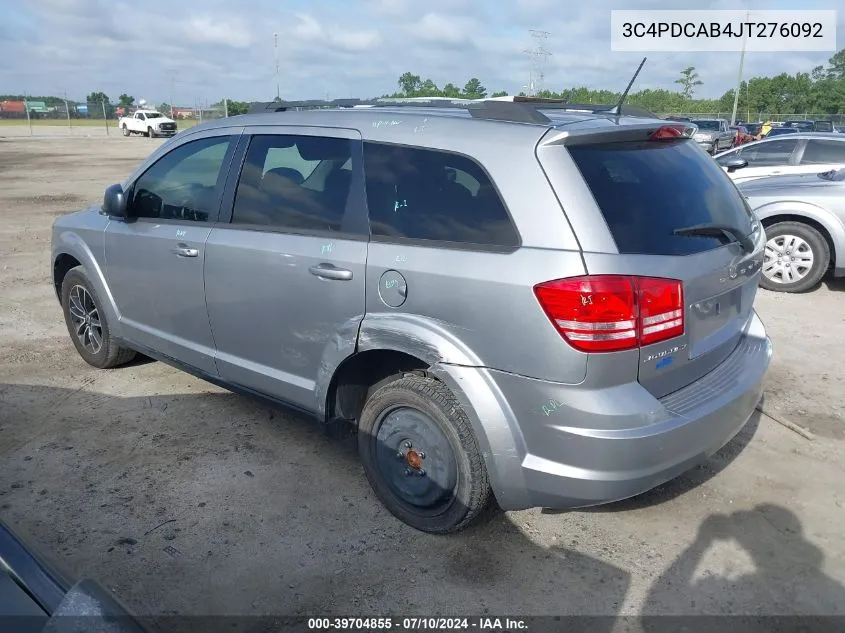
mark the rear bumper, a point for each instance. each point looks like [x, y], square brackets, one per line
[579, 447]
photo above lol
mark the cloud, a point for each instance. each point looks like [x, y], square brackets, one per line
[204, 29]
[217, 47]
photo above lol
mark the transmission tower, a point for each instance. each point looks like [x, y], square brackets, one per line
[539, 54]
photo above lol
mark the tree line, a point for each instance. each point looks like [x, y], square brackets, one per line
[820, 91]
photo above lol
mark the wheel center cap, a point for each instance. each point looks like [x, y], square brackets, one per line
[414, 459]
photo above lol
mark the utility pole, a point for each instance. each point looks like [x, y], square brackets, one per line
[276, 53]
[539, 55]
[739, 76]
[172, 81]
[67, 110]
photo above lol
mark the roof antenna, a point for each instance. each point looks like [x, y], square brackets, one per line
[617, 109]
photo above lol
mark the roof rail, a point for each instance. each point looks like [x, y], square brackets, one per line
[517, 109]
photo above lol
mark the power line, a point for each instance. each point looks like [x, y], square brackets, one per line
[539, 54]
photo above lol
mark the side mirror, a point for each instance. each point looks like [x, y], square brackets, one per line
[735, 163]
[114, 202]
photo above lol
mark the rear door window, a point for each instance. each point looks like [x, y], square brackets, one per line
[294, 183]
[647, 190]
[823, 152]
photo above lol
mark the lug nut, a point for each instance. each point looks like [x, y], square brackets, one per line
[400, 455]
[422, 455]
[407, 472]
[407, 444]
[421, 472]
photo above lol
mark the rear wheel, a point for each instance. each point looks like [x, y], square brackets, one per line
[87, 325]
[421, 456]
[125, 130]
[796, 257]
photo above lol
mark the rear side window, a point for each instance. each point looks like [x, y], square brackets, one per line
[823, 151]
[294, 182]
[431, 195]
[647, 190]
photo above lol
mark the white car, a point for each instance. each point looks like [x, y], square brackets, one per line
[147, 122]
[798, 153]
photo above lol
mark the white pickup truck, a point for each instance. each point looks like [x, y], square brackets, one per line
[147, 122]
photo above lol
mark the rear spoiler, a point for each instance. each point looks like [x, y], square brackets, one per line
[605, 131]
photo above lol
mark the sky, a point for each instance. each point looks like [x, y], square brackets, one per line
[198, 51]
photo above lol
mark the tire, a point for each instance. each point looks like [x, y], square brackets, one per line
[125, 130]
[150, 132]
[403, 419]
[796, 240]
[77, 291]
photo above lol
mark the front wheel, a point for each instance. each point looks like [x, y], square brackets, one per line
[421, 456]
[150, 132]
[796, 257]
[87, 325]
[125, 130]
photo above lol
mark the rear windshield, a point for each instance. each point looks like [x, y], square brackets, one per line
[707, 125]
[647, 190]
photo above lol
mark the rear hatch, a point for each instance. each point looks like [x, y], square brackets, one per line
[672, 214]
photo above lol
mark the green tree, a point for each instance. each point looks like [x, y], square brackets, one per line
[500, 93]
[125, 100]
[689, 80]
[836, 63]
[428, 89]
[164, 108]
[451, 90]
[97, 97]
[237, 107]
[410, 84]
[474, 90]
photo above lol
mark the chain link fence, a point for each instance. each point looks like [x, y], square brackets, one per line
[59, 117]
[838, 120]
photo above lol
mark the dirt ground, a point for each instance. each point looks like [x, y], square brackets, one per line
[183, 498]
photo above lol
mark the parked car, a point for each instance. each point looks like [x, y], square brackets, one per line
[741, 135]
[754, 129]
[800, 125]
[558, 325]
[799, 153]
[804, 218]
[825, 126]
[714, 135]
[37, 595]
[780, 131]
[147, 122]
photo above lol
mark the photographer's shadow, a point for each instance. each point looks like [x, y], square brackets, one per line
[784, 564]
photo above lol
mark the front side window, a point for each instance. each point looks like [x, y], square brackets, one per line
[770, 154]
[294, 182]
[182, 184]
[431, 195]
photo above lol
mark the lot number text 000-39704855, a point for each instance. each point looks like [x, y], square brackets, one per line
[728, 30]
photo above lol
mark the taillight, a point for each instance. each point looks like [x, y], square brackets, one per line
[609, 313]
[668, 132]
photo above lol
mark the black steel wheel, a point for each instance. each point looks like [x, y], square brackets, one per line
[421, 456]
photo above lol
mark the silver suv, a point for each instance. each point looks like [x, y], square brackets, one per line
[506, 300]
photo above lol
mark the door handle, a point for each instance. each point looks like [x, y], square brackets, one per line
[330, 271]
[183, 250]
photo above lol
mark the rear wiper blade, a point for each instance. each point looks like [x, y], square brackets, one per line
[718, 230]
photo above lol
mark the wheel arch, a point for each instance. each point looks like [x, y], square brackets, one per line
[70, 251]
[394, 343]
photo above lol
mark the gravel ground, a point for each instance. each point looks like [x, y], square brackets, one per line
[183, 498]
